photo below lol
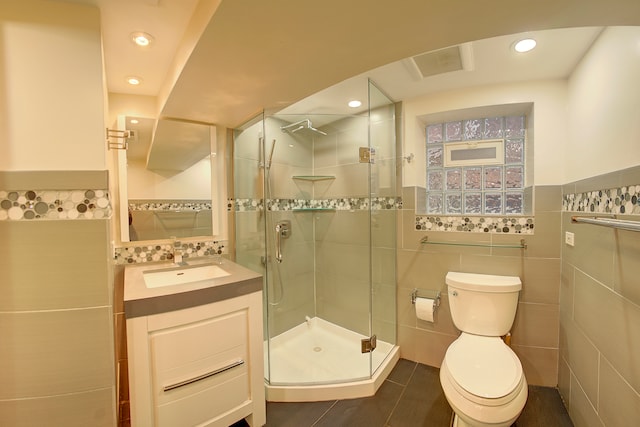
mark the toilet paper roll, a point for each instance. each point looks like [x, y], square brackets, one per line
[425, 309]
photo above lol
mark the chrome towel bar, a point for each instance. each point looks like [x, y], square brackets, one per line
[608, 222]
[521, 245]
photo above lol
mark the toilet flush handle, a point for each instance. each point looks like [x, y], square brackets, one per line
[454, 293]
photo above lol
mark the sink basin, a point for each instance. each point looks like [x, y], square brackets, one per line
[180, 276]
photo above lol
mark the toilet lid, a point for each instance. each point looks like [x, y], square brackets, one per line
[483, 366]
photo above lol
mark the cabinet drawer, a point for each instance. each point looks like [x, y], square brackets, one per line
[192, 342]
[193, 357]
[205, 406]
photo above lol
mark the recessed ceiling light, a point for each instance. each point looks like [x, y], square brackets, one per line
[132, 80]
[142, 39]
[134, 121]
[354, 104]
[524, 45]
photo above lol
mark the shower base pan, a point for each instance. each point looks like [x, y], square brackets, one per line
[318, 360]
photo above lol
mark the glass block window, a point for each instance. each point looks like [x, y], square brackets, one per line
[454, 179]
[472, 203]
[473, 129]
[434, 134]
[453, 203]
[434, 203]
[434, 180]
[476, 189]
[473, 178]
[492, 177]
[453, 131]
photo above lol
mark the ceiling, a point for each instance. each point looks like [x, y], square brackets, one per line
[222, 62]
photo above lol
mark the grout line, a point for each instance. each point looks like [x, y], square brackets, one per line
[325, 413]
[404, 388]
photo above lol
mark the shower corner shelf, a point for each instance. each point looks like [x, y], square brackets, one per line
[313, 178]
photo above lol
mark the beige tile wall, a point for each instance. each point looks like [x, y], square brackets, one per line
[600, 317]
[120, 333]
[55, 323]
[535, 334]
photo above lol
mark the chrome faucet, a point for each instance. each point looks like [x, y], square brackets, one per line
[177, 253]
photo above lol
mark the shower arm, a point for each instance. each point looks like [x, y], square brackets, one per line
[306, 123]
[300, 125]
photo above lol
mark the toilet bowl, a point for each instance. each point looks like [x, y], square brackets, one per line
[482, 378]
[483, 382]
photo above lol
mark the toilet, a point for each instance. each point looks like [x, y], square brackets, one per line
[481, 376]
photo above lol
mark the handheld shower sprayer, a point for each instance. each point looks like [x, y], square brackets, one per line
[273, 146]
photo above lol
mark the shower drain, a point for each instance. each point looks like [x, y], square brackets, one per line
[317, 349]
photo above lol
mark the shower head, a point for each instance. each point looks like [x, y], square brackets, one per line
[302, 124]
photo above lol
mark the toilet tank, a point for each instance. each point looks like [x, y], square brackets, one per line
[483, 304]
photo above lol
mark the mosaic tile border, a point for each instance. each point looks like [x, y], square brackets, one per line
[476, 224]
[54, 204]
[170, 205]
[140, 253]
[622, 200]
[339, 204]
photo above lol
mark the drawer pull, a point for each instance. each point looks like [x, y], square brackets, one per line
[203, 376]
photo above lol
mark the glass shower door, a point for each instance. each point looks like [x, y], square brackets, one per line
[383, 212]
[319, 286]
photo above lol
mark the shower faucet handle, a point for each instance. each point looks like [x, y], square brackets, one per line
[283, 230]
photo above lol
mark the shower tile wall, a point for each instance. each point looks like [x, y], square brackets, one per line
[291, 290]
[535, 331]
[599, 372]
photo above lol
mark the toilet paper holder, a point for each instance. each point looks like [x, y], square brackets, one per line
[434, 295]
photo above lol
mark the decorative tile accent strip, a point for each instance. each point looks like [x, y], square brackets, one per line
[242, 205]
[134, 254]
[54, 204]
[623, 200]
[170, 205]
[340, 204]
[476, 224]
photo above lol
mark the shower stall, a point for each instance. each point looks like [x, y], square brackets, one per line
[315, 204]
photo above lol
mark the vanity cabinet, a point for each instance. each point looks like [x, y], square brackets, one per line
[200, 365]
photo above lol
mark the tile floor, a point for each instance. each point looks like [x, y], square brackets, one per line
[410, 397]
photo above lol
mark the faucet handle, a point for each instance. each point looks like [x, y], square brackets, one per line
[177, 251]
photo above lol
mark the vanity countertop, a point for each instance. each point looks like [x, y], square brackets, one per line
[139, 300]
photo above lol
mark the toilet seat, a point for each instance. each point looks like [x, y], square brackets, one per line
[483, 369]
